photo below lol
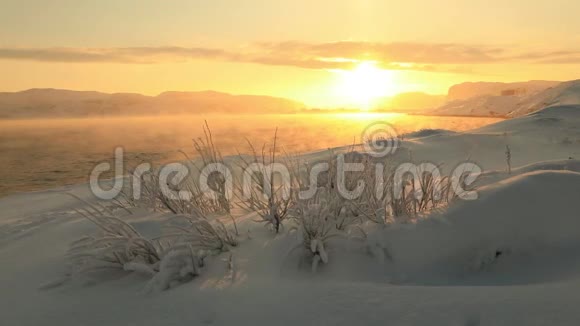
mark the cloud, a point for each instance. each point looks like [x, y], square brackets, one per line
[59, 55]
[556, 57]
[424, 53]
[113, 55]
[432, 57]
[562, 60]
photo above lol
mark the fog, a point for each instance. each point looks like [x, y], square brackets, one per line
[39, 154]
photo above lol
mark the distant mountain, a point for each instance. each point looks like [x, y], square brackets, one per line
[510, 100]
[566, 93]
[469, 90]
[409, 102]
[56, 103]
[486, 105]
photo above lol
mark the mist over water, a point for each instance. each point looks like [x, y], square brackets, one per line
[41, 154]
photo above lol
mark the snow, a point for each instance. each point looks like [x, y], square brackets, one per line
[567, 93]
[499, 239]
[485, 103]
[475, 89]
[507, 258]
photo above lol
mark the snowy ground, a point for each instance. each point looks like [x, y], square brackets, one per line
[508, 258]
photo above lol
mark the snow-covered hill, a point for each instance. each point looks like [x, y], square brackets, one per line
[567, 93]
[469, 90]
[486, 105]
[512, 103]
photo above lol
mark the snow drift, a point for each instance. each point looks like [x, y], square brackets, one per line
[520, 230]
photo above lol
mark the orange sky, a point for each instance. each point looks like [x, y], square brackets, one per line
[298, 49]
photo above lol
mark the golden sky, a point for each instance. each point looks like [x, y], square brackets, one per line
[314, 51]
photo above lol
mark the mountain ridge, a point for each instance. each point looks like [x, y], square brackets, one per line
[511, 100]
[64, 103]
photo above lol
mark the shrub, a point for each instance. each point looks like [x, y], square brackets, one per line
[271, 200]
[118, 245]
[196, 230]
[316, 228]
[171, 258]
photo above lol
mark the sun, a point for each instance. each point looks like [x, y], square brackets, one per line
[364, 84]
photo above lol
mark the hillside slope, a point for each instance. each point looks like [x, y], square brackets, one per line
[469, 90]
[567, 93]
[510, 103]
[55, 103]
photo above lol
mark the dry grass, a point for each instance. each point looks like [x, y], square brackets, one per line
[261, 193]
[116, 245]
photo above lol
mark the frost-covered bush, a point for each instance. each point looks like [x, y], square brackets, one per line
[169, 259]
[343, 212]
[207, 154]
[315, 226]
[259, 191]
[375, 202]
[199, 231]
[404, 198]
[117, 245]
[179, 265]
[149, 194]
